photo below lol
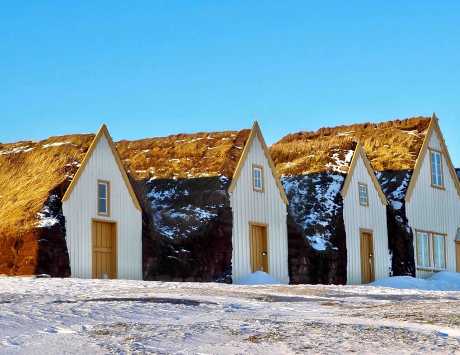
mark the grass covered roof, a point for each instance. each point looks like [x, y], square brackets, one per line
[30, 172]
[391, 145]
[179, 156]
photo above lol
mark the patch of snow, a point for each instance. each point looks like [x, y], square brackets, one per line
[440, 281]
[318, 242]
[259, 278]
[74, 163]
[413, 133]
[46, 219]
[340, 165]
[345, 133]
[23, 149]
[56, 144]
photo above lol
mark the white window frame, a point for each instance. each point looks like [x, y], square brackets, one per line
[436, 169]
[258, 181]
[431, 250]
[106, 199]
[362, 187]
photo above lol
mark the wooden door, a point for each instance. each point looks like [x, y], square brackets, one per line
[457, 255]
[367, 258]
[259, 248]
[104, 250]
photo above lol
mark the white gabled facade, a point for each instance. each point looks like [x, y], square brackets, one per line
[265, 208]
[80, 210]
[358, 219]
[430, 209]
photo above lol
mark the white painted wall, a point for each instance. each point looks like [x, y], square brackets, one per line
[81, 208]
[433, 209]
[267, 207]
[358, 217]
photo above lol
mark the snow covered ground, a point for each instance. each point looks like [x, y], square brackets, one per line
[55, 316]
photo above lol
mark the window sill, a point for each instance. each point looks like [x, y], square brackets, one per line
[443, 188]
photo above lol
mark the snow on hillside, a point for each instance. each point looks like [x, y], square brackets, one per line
[314, 203]
[183, 207]
[55, 316]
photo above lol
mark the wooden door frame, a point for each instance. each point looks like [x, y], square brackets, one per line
[371, 232]
[93, 234]
[265, 225]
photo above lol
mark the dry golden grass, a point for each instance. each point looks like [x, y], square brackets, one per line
[29, 172]
[391, 145]
[184, 155]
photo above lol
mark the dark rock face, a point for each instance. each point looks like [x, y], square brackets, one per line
[316, 230]
[188, 230]
[53, 257]
[400, 242]
[400, 236]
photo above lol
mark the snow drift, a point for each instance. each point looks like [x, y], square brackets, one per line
[441, 281]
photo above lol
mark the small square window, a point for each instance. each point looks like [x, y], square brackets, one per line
[258, 178]
[103, 198]
[437, 178]
[363, 195]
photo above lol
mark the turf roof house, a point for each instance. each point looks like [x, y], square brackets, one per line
[215, 207]
[68, 196]
[426, 198]
[338, 231]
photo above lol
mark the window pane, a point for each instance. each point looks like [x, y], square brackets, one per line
[363, 195]
[423, 251]
[439, 251]
[436, 169]
[439, 169]
[102, 190]
[102, 197]
[257, 178]
[433, 168]
[102, 205]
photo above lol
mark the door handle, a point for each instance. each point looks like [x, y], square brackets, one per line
[264, 253]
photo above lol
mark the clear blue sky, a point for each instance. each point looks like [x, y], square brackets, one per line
[151, 68]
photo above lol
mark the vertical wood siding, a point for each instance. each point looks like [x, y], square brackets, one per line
[373, 218]
[435, 210]
[81, 208]
[259, 207]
